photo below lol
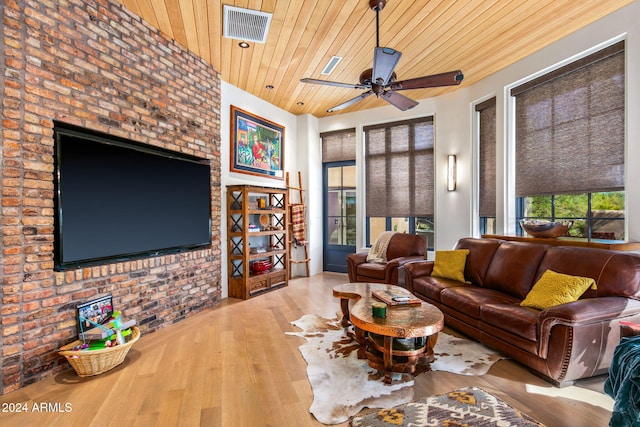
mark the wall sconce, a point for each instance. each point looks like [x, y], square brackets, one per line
[451, 172]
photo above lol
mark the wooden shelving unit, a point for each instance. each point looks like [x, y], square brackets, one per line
[256, 233]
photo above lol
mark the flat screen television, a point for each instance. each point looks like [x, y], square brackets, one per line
[117, 199]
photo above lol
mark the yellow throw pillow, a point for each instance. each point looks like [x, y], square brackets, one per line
[556, 288]
[450, 264]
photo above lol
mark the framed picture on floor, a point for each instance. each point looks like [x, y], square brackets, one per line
[97, 311]
[257, 145]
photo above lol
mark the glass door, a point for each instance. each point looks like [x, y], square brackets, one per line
[339, 181]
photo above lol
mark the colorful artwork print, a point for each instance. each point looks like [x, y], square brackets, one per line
[257, 145]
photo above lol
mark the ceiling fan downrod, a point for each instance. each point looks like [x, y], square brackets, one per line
[377, 6]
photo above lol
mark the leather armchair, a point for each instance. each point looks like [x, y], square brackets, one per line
[402, 249]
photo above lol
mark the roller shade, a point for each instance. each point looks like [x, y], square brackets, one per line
[570, 127]
[487, 149]
[338, 146]
[399, 168]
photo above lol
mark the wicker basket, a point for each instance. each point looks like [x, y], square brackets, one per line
[93, 362]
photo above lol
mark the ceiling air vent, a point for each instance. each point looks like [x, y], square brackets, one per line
[331, 65]
[246, 24]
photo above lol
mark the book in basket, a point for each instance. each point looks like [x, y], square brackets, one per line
[392, 297]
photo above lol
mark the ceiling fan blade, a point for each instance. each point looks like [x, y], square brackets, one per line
[450, 78]
[400, 101]
[385, 60]
[350, 102]
[329, 83]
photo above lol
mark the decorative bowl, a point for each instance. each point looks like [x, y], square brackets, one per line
[260, 266]
[546, 229]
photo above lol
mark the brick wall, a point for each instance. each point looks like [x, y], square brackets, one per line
[93, 64]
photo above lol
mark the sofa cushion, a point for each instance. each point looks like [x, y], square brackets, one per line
[512, 318]
[479, 258]
[405, 245]
[372, 270]
[513, 268]
[450, 264]
[620, 276]
[470, 299]
[430, 287]
[615, 273]
[555, 289]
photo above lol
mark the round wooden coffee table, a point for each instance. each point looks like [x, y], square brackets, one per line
[397, 342]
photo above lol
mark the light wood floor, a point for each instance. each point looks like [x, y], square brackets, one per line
[234, 366]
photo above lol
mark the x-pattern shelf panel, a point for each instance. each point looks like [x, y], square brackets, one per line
[236, 223]
[277, 201]
[236, 246]
[278, 240]
[236, 268]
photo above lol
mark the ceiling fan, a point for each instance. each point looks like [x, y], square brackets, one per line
[381, 79]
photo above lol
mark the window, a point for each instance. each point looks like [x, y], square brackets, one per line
[338, 156]
[594, 215]
[570, 144]
[399, 177]
[486, 112]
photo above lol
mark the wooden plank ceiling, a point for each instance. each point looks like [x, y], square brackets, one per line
[478, 37]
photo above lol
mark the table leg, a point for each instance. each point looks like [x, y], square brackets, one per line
[361, 339]
[344, 305]
[387, 357]
[431, 344]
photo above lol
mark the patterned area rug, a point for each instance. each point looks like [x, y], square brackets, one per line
[333, 368]
[469, 407]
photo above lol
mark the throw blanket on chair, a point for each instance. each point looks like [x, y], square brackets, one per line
[623, 383]
[297, 224]
[378, 251]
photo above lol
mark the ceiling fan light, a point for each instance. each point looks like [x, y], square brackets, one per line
[385, 60]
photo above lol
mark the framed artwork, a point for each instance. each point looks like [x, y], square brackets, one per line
[257, 145]
[97, 311]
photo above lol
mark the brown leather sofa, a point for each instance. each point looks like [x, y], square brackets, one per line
[402, 248]
[562, 343]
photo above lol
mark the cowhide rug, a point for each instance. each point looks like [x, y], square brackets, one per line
[343, 385]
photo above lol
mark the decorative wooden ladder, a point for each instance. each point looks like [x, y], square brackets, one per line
[295, 245]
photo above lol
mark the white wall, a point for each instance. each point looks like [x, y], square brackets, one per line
[454, 128]
[310, 152]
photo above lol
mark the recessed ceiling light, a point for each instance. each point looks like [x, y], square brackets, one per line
[300, 103]
[243, 45]
[269, 87]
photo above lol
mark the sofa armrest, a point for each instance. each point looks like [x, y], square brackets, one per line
[353, 260]
[419, 268]
[583, 312]
[416, 269]
[629, 329]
